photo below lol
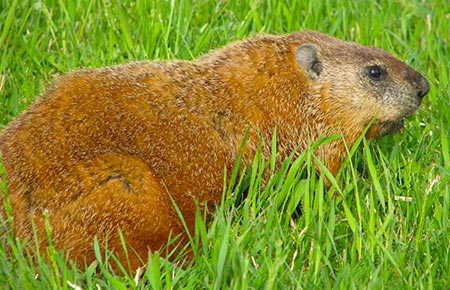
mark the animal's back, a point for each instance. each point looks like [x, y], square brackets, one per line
[104, 148]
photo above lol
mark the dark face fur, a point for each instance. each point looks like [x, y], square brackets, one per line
[397, 88]
[387, 90]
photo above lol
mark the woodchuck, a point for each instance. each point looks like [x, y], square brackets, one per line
[107, 149]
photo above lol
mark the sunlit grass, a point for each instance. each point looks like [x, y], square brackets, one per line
[384, 222]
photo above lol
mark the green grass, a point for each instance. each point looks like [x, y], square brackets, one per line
[384, 224]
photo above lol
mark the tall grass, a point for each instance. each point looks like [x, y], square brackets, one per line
[384, 223]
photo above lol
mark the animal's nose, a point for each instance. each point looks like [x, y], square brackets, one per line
[423, 86]
[419, 82]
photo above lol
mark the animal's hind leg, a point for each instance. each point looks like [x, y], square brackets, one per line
[125, 194]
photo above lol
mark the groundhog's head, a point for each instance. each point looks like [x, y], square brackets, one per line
[364, 83]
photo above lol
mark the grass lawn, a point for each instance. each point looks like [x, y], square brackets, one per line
[385, 222]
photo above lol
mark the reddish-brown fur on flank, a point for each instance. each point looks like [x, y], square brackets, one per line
[103, 148]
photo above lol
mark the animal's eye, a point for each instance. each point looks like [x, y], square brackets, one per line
[376, 72]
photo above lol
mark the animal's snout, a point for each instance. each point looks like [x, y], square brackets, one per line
[422, 86]
[419, 83]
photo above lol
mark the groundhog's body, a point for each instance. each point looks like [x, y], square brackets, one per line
[103, 148]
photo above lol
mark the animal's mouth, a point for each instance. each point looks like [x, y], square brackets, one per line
[383, 128]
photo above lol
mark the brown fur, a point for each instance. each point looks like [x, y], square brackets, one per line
[103, 148]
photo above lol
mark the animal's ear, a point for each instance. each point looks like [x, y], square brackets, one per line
[306, 56]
